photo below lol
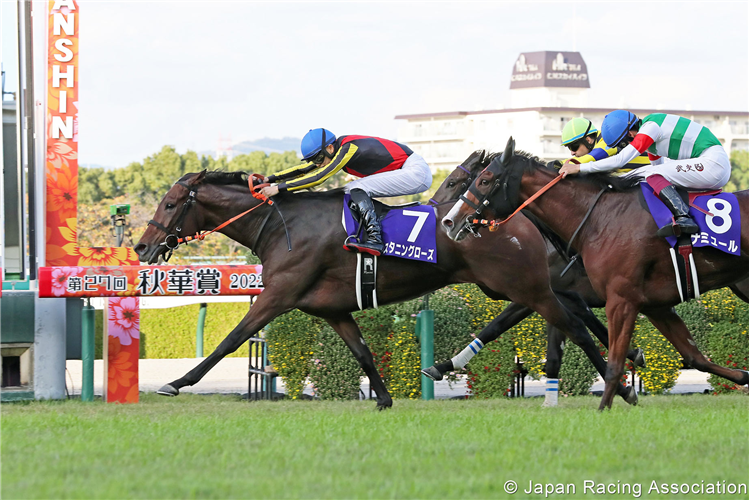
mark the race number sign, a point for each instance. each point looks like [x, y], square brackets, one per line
[149, 281]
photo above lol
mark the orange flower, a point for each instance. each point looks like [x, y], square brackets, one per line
[62, 193]
[119, 373]
[103, 256]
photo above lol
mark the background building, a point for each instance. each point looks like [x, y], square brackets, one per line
[547, 89]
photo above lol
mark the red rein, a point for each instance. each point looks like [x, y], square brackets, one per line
[255, 190]
[494, 224]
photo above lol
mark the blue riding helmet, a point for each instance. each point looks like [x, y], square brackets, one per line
[314, 141]
[616, 125]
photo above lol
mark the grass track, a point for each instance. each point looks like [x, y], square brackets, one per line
[222, 447]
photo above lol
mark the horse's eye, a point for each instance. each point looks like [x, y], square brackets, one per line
[451, 184]
[484, 182]
[170, 206]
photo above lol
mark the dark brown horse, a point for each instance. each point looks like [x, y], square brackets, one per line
[574, 288]
[318, 277]
[628, 265]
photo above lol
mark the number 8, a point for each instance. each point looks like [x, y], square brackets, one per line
[723, 213]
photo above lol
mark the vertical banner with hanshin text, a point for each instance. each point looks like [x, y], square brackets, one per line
[62, 196]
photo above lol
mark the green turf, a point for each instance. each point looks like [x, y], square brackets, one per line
[222, 447]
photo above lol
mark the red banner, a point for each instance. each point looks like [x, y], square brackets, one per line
[149, 281]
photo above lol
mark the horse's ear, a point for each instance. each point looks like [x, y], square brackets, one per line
[482, 156]
[198, 178]
[508, 152]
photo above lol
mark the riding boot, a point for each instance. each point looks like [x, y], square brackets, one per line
[373, 243]
[682, 222]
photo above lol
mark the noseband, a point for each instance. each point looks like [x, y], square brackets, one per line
[172, 239]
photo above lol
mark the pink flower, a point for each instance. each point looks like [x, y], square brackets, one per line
[60, 277]
[124, 319]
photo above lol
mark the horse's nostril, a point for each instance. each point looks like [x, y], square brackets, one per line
[447, 223]
[140, 248]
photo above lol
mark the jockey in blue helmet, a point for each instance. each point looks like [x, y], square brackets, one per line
[681, 151]
[386, 168]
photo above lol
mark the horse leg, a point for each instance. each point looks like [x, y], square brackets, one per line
[673, 328]
[741, 290]
[511, 316]
[266, 308]
[622, 315]
[349, 331]
[554, 351]
[578, 307]
[559, 317]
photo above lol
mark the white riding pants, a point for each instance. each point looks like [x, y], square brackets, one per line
[710, 170]
[413, 177]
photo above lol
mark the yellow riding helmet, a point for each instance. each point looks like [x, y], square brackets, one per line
[577, 128]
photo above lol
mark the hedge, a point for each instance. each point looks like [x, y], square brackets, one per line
[334, 372]
[716, 322]
[171, 333]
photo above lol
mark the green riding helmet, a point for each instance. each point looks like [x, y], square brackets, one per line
[576, 129]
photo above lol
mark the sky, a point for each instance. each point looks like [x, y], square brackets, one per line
[194, 74]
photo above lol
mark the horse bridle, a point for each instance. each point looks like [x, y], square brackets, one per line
[464, 185]
[172, 239]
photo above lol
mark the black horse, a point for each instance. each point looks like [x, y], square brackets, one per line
[318, 277]
[573, 288]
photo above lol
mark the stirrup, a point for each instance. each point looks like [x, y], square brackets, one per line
[362, 248]
[676, 229]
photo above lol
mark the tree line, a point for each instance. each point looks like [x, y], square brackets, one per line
[153, 177]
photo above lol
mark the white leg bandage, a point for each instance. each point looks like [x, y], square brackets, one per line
[462, 359]
[552, 392]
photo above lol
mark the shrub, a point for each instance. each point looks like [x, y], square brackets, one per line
[452, 323]
[483, 309]
[531, 344]
[695, 316]
[405, 362]
[334, 372]
[577, 374]
[291, 340]
[663, 362]
[728, 346]
[491, 371]
[376, 325]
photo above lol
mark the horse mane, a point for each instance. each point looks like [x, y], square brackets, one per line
[223, 178]
[601, 180]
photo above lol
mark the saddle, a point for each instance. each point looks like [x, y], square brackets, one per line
[408, 231]
[718, 217]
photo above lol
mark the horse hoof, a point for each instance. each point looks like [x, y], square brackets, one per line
[385, 404]
[631, 398]
[639, 358]
[168, 390]
[433, 373]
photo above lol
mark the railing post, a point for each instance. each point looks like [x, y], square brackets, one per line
[88, 323]
[426, 337]
[199, 331]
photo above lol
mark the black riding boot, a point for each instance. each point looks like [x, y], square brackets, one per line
[683, 223]
[373, 243]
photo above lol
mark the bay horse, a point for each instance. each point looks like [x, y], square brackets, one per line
[628, 265]
[317, 276]
[573, 287]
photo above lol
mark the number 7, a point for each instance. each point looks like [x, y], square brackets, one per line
[422, 218]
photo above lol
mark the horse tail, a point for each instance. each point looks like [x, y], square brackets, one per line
[558, 243]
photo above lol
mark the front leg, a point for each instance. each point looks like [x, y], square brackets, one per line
[268, 306]
[349, 331]
[622, 315]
